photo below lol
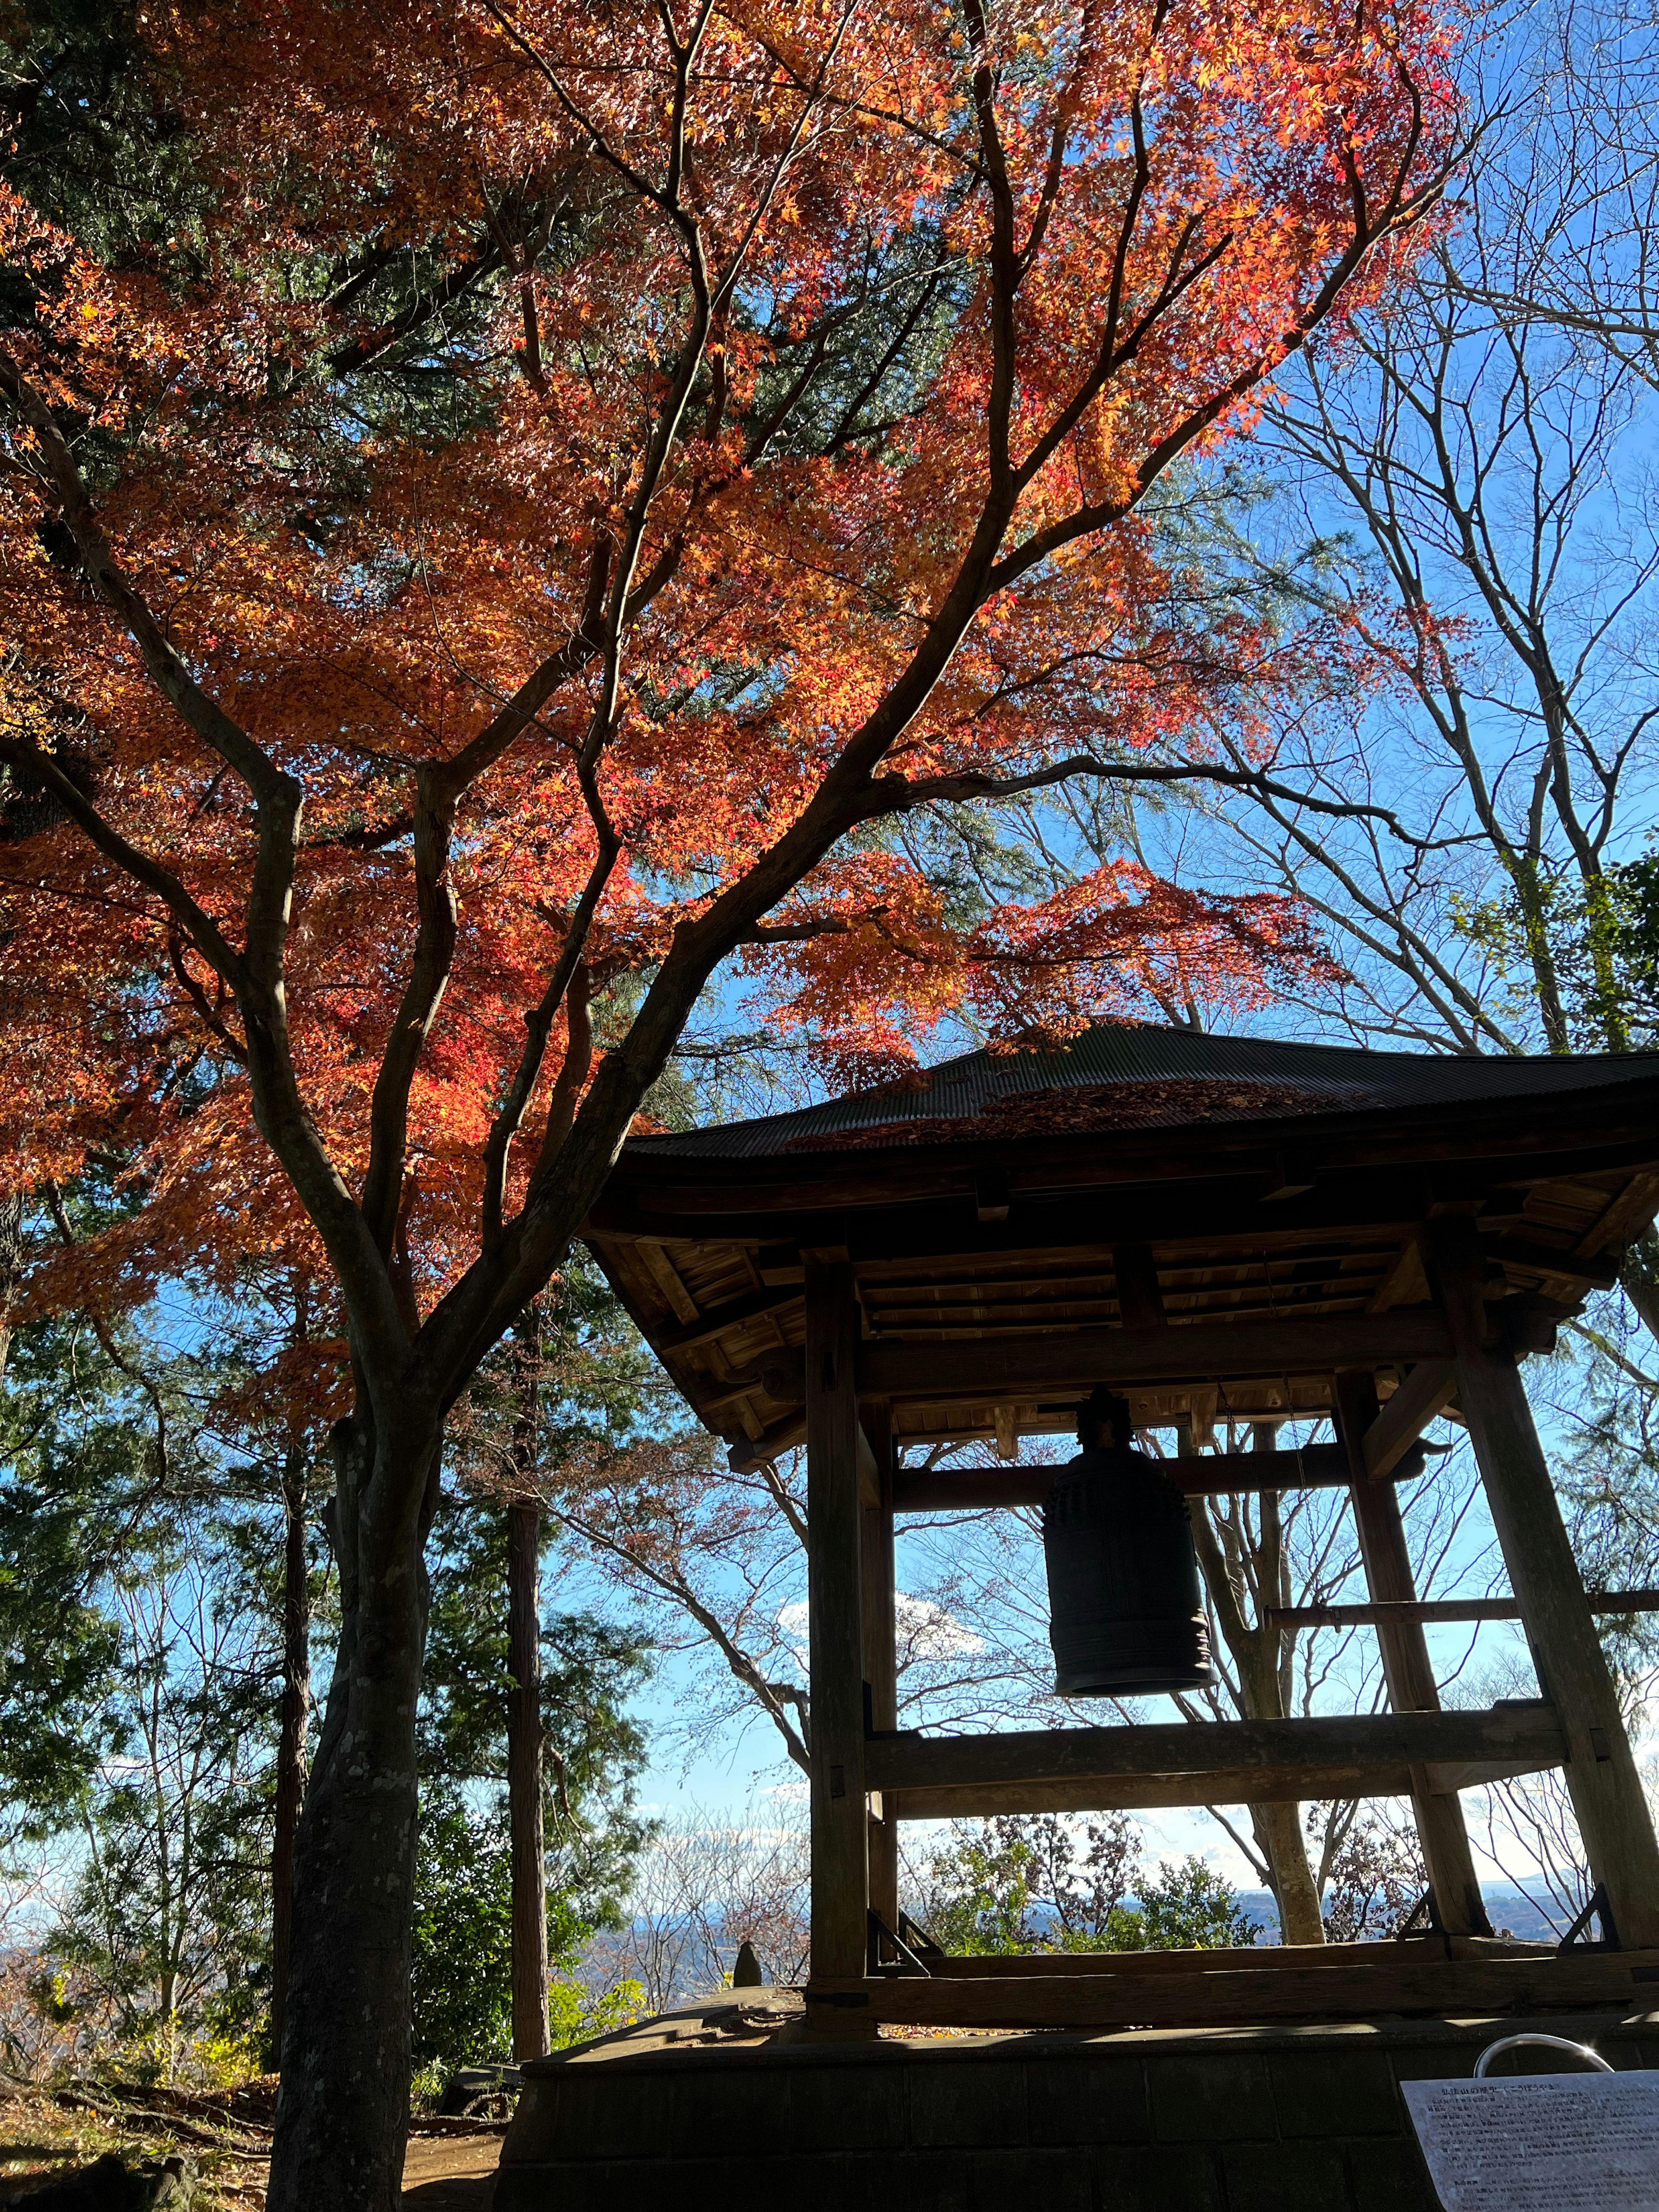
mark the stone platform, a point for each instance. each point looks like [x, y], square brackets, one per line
[724, 2104]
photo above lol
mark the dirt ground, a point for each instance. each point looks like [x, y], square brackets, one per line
[453, 2176]
[227, 2135]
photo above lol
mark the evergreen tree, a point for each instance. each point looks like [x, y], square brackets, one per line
[499, 1723]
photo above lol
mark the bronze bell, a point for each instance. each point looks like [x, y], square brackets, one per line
[1126, 1606]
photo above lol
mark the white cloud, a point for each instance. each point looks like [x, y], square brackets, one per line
[928, 1630]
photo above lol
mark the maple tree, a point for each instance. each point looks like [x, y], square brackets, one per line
[574, 481]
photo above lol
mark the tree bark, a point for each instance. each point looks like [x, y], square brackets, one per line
[524, 1783]
[11, 1268]
[1638, 1279]
[291, 1746]
[1278, 1832]
[342, 2111]
[525, 1800]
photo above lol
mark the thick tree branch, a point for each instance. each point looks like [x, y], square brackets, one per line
[434, 951]
[897, 793]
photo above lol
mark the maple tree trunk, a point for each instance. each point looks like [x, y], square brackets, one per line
[291, 1749]
[524, 1711]
[524, 1784]
[342, 2111]
[11, 1268]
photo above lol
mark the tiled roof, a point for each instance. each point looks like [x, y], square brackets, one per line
[997, 1090]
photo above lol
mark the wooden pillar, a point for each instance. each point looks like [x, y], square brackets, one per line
[1601, 1777]
[834, 1562]
[881, 1644]
[1278, 1827]
[1405, 1664]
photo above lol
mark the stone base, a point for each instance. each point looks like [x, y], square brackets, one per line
[728, 2104]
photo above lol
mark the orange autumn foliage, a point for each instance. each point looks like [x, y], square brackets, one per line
[583, 490]
[360, 589]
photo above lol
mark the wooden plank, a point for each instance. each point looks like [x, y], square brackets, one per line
[1383, 1206]
[1447, 1609]
[1405, 1664]
[881, 1645]
[974, 1490]
[1139, 1300]
[1319, 1783]
[1420, 1399]
[668, 1282]
[1524, 1731]
[839, 1882]
[1601, 1775]
[1234, 1995]
[1374, 1615]
[1404, 1284]
[1631, 1213]
[1276, 1958]
[1202, 1352]
[1537, 1138]
[780, 1437]
[1208, 1474]
[737, 1313]
[1133, 1194]
[1588, 1273]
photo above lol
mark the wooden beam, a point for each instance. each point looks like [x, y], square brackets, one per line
[869, 1467]
[880, 1645]
[1313, 1782]
[1404, 1284]
[1202, 1474]
[1446, 1609]
[1140, 1299]
[1420, 1399]
[1406, 1668]
[756, 1451]
[663, 1273]
[1400, 1981]
[991, 1367]
[1277, 1958]
[1601, 1776]
[973, 1490]
[840, 1881]
[1631, 1213]
[1110, 1198]
[1589, 1274]
[737, 1314]
[1385, 1204]
[1597, 1132]
[1527, 1732]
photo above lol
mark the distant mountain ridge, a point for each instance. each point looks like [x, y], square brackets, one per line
[1512, 1910]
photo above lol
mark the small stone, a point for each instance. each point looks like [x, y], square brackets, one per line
[746, 1974]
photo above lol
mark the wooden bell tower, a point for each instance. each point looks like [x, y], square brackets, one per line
[1287, 1232]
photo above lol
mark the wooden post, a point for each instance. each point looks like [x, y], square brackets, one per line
[840, 1887]
[1406, 1663]
[880, 1647]
[1601, 1777]
[1278, 1826]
